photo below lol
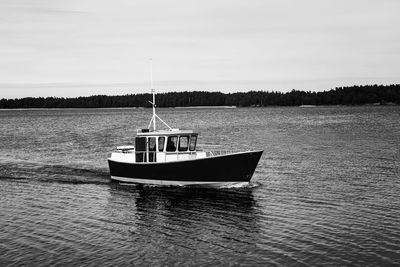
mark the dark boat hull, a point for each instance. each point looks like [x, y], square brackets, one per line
[231, 168]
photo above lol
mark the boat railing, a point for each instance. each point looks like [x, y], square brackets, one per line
[155, 156]
[168, 152]
[209, 153]
[214, 153]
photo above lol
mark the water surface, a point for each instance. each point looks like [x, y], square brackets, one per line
[326, 191]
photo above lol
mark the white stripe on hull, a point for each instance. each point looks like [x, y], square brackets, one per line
[165, 182]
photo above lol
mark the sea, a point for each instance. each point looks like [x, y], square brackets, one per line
[326, 191]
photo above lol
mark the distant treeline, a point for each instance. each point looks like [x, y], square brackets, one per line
[354, 95]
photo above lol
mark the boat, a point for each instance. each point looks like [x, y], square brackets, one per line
[171, 157]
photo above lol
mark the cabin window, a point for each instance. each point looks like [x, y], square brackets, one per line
[161, 141]
[140, 146]
[193, 139]
[171, 144]
[151, 144]
[183, 143]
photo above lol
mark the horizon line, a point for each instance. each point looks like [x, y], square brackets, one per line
[209, 91]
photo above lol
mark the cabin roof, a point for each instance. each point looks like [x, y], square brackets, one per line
[165, 132]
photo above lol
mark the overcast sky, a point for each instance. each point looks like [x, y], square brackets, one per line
[86, 47]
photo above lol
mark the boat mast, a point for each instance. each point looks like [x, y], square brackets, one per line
[154, 95]
[153, 91]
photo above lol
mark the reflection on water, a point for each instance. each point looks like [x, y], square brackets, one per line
[178, 221]
[325, 192]
[45, 223]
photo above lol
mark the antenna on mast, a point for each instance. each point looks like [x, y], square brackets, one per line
[153, 91]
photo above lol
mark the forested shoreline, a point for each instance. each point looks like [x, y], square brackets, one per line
[353, 95]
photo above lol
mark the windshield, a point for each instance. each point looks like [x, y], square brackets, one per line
[171, 144]
[193, 140]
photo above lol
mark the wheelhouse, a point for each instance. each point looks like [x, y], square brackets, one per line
[163, 146]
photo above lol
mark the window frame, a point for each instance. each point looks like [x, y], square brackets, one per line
[182, 149]
[163, 143]
[192, 148]
[176, 144]
[155, 143]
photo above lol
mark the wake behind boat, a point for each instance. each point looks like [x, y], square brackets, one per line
[170, 157]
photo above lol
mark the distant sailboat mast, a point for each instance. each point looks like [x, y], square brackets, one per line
[153, 91]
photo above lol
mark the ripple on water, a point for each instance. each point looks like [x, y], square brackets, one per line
[325, 191]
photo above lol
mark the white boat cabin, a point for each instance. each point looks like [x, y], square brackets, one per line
[160, 146]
